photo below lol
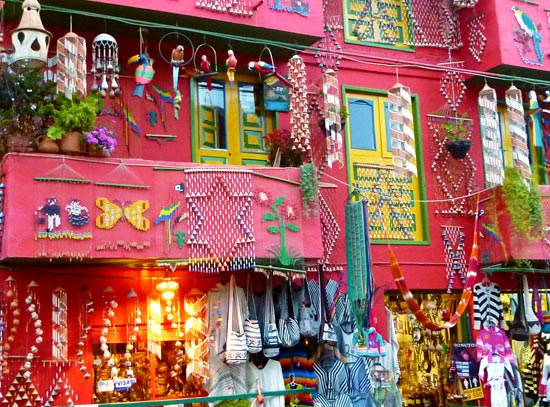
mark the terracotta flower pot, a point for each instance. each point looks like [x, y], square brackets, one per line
[71, 143]
[46, 145]
[93, 150]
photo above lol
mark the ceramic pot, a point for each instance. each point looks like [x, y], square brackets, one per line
[93, 150]
[46, 145]
[71, 143]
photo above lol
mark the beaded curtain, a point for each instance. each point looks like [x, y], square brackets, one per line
[221, 233]
[435, 24]
[491, 140]
[516, 123]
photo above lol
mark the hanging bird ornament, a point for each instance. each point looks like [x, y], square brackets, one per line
[177, 62]
[231, 66]
[530, 29]
[205, 70]
[267, 69]
[144, 72]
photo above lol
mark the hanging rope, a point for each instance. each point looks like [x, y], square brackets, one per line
[471, 276]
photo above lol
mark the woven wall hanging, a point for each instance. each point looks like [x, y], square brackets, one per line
[220, 243]
[328, 50]
[71, 65]
[516, 123]
[402, 131]
[435, 24]
[491, 139]
[476, 36]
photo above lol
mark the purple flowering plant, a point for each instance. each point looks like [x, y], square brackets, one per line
[102, 137]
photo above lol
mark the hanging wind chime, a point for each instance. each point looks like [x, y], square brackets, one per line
[71, 65]
[299, 117]
[59, 324]
[105, 67]
[34, 323]
[491, 141]
[455, 256]
[86, 309]
[516, 123]
[401, 131]
[195, 305]
[333, 123]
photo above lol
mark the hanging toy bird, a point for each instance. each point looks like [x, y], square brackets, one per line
[231, 66]
[144, 73]
[205, 70]
[268, 69]
[177, 62]
[530, 29]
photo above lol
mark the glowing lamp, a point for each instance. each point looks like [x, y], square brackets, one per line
[167, 288]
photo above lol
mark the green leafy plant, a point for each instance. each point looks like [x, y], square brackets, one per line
[277, 214]
[309, 186]
[457, 127]
[523, 203]
[72, 115]
[22, 94]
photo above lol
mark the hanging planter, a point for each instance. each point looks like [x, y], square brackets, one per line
[458, 148]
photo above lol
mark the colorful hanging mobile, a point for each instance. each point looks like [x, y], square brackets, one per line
[476, 36]
[490, 137]
[401, 131]
[299, 115]
[105, 66]
[195, 305]
[516, 123]
[220, 244]
[85, 311]
[333, 124]
[455, 256]
[71, 65]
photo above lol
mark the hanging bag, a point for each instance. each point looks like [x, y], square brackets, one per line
[308, 319]
[533, 323]
[271, 341]
[236, 350]
[545, 313]
[327, 333]
[519, 329]
[289, 330]
[252, 329]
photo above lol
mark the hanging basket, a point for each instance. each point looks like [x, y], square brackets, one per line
[458, 148]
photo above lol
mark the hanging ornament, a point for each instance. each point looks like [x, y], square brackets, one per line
[453, 89]
[333, 124]
[231, 66]
[455, 256]
[105, 68]
[516, 124]
[60, 329]
[195, 305]
[401, 131]
[491, 140]
[86, 309]
[34, 324]
[134, 315]
[328, 51]
[299, 114]
[12, 321]
[71, 65]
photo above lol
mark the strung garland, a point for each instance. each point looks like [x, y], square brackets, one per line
[413, 305]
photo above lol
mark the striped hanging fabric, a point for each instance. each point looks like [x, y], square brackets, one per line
[360, 278]
[71, 65]
[401, 130]
[333, 126]
[491, 138]
[516, 123]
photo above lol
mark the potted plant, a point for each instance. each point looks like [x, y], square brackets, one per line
[100, 141]
[22, 93]
[71, 118]
[457, 130]
[282, 152]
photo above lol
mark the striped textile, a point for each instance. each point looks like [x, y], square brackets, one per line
[487, 305]
[332, 380]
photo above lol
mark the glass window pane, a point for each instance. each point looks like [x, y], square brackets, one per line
[362, 125]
